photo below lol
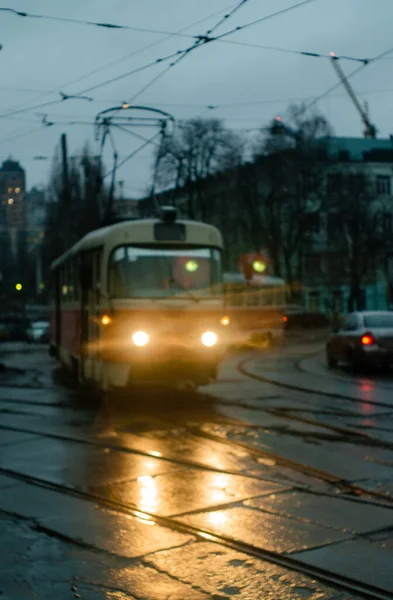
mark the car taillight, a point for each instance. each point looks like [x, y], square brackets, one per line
[367, 339]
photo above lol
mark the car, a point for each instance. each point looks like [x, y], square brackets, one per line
[4, 333]
[13, 328]
[38, 332]
[365, 338]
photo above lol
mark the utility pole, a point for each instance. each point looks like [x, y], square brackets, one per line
[65, 197]
[64, 158]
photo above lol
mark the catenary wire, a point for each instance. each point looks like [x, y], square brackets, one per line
[133, 153]
[127, 56]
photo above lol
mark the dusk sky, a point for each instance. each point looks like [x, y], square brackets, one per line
[246, 85]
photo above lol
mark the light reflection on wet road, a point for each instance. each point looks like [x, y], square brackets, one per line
[144, 452]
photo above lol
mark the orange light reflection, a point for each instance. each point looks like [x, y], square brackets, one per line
[148, 493]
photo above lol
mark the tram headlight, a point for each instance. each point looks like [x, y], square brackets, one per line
[209, 339]
[140, 338]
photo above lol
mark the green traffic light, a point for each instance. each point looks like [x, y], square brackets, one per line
[192, 266]
[259, 266]
[18, 287]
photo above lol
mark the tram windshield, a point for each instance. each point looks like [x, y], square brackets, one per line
[136, 272]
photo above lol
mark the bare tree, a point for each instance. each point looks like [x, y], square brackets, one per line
[75, 211]
[198, 149]
[287, 188]
[351, 207]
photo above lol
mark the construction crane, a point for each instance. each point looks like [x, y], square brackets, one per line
[370, 130]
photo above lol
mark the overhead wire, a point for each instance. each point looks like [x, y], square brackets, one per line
[349, 76]
[132, 72]
[181, 53]
[20, 133]
[201, 40]
[133, 133]
[133, 153]
[129, 55]
[265, 18]
[96, 23]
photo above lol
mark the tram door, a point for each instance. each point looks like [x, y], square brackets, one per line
[90, 313]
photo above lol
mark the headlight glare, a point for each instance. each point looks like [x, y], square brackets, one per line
[209, 339]
[140, 338]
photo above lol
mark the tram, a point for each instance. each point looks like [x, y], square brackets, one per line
[255, 307]
[140, 301]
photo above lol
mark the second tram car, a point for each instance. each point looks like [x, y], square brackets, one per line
[255, 307]
[140, 301]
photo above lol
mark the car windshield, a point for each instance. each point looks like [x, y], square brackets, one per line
[158, 272]
[379, 321]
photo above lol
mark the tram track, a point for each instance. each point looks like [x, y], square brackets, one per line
[355, 492]
[303, 389]
[355, 435]
[343, 583]
[324, 476]
[339, 483]
[137, 452]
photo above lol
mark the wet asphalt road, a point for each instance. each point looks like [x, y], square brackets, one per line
[160, 495]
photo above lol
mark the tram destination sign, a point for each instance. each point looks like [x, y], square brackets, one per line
[170, 232]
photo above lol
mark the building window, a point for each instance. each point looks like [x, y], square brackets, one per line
[387, 223]
[337, 301]
[336, 266]
[334, 225]
[362, 300]
[314, 300]
[312, 264]
[383, 185]
[313, 223]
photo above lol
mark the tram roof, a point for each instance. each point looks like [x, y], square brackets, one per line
[122, 233]
[260, 280]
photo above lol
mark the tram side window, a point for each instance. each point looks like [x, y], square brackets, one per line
[216, 273]
[253, 297]
[234, 294]
[86, 272]
[70, 279]
[97, 274]
[118, 273]
[63, 283]
[280, 296]
[76, 278]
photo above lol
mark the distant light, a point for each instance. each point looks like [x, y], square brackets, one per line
[278, 119]
[125, 105]
[18, 287]
[285, 319]
[10, 201]
[17, 190]
[259, 266]
[191, 266]
[106, 320]
[332, 54]
[64, 290]
[10, 190]
[225, 321]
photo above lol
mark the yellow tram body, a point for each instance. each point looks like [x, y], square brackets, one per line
[140, 301]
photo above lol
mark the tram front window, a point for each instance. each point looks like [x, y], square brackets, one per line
[136, 272]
